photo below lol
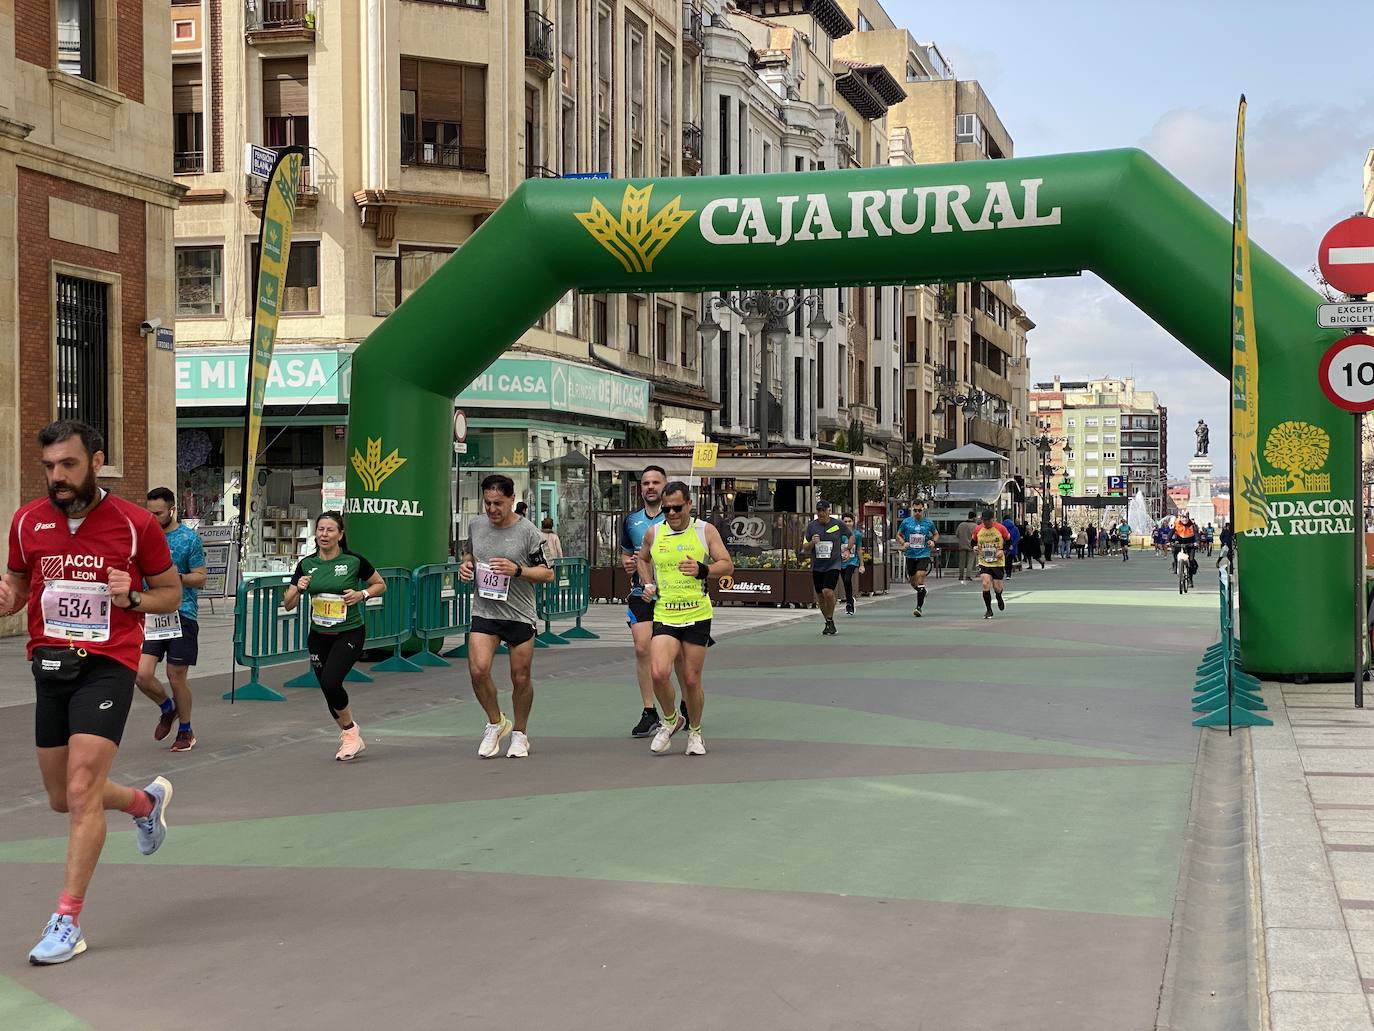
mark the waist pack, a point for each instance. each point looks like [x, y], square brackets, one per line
[58, 665]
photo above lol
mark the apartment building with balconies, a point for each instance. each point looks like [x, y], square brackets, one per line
[962, 344]
[418, 118]
[86, 213]
[777, 101]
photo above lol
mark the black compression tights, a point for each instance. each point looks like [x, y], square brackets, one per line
[331, 657]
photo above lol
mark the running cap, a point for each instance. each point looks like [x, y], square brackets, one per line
[822, 504]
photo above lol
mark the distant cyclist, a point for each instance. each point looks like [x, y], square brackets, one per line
[1184, 538]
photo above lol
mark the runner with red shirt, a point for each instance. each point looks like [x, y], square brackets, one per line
[74, 558]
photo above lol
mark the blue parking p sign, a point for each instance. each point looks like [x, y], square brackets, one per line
[1117, 483]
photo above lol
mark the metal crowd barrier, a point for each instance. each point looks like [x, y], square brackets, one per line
[568, 595]
[386, 623]
[265, 634]
[442, 607]
[1227, 696]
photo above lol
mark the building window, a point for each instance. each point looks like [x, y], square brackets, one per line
[877, 313]
[1090, 421]
[878, 392]
[724, 137]
[599, 320]
[188, 120]
[301, 295]
[604, 87]
[443, 114]
[913, 74]
[397, 277]
[632, 305]
[689, 351]
[286, 104]
[534, 142]
[743, 132]
[864, 24]
[82, 361]
[862, 384]
[664, 91]
[567, 314]
[798, 397]
[661, 349]
[723, 367]
[968, 129]
[76, 37]
[200, 281]
[634, 88]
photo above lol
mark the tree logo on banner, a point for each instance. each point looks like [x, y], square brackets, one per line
[1299, 449]
[374, 469]
[635, 238]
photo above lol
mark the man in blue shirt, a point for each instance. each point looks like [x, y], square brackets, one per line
[1013, 543]
[175, 636]
[639, 612]
[917, 536]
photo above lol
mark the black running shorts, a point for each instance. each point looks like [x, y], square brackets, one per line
[511, 632]
[996, 572]
[825, 580]
[96, 702]
[178, 651]
[692, 633]
[639, 610]
[917, 565]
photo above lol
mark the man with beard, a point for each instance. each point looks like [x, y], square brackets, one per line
[74, 557]
[639, 612]
[176, 636]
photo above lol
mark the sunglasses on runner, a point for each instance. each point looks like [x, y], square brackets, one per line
[673, 509]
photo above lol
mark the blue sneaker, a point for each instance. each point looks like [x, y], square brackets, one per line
[152, 829]
[62, 940]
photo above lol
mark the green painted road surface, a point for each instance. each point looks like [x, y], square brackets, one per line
[947, 823]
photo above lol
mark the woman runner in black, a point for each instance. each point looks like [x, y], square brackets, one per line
[338, 583]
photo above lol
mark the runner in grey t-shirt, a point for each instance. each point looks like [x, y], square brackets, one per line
[520, 543]
[503, 561]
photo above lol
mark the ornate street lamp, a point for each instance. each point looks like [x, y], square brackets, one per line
[766, 312]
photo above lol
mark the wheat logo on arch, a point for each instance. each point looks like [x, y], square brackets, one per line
[1299, 449]
[374, 469]
[635, 238]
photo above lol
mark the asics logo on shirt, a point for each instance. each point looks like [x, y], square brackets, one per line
[45, 526]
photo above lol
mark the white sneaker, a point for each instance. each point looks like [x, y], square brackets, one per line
[659, 745]
[491, 738]
[695, 745]
[519, 747]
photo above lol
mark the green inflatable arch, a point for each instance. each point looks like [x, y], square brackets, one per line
[1116, 213]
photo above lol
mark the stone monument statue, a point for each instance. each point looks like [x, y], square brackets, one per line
[1200, 505]
[1203, 439]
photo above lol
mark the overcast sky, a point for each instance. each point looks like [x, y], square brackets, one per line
[1166, 76]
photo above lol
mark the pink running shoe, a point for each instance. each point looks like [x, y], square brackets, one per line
[350, 743]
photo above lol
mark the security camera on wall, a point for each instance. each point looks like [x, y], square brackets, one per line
[149, 326]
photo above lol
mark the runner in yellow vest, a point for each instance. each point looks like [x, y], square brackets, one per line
[678, 559]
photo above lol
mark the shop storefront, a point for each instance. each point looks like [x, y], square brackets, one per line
[536, 419]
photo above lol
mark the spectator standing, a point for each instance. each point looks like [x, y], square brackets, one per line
[553, 547]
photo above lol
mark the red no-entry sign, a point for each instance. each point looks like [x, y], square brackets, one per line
[1346, 256]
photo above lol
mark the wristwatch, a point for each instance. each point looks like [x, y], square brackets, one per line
[703, 570]
[135, 600]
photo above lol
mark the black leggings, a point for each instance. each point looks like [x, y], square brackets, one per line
[331, 657]
[847, 575]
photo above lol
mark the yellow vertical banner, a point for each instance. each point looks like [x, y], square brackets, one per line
[1251, 509]
[274, 253]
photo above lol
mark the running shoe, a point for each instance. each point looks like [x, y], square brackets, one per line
[647, 724]
[988, 614]
[519, 747]
[831, 628]
[62, 940]
[491, 738]
[849, 610]
[184, 743]
[916, 612]
[152, 829]
[350, 743]
[164, 725]
[1001, 605]
[695, 745]
[661, 740]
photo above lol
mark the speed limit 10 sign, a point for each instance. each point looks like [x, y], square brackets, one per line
[1346, 373]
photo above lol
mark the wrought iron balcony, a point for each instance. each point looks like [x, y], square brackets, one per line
[693, 28]
[188, 162]
[539, 41]
[691, 148]
[307, 184]
[279, 21]
[443, 155]
[540, 172]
